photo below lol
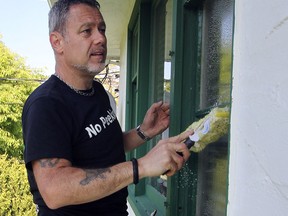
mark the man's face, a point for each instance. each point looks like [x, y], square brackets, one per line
[85, 44]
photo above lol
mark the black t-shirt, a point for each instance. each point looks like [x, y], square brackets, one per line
[59, 123]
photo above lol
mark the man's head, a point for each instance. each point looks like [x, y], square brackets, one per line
[77, 35]
[58, 14]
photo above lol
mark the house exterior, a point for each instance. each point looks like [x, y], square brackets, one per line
[200, 54]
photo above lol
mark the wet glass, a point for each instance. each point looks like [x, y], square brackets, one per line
[215, 90]
[215, 80]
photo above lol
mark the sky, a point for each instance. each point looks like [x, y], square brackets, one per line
[24, 30]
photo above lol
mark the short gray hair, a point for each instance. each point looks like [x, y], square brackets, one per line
[59, 13]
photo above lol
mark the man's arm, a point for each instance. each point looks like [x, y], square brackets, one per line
[156, 120]
[60, 184]
[132, 140]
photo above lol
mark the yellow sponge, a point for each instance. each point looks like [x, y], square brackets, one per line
[209, 129]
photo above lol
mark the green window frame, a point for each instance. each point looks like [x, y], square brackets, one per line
[198, 42]
[188, 192]
[146, 71]
[141, 197]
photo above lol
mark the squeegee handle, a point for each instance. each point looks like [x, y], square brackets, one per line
[189, 143]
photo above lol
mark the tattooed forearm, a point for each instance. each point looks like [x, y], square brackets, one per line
[49, 163]
[92, 174]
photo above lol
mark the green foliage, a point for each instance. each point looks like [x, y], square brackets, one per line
[17, 81]
[15, 197]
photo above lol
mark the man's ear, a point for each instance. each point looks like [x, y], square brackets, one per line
[56, 41]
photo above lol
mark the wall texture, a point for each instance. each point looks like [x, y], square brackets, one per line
[258, 173]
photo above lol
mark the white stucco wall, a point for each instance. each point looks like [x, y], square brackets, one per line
[258, 171]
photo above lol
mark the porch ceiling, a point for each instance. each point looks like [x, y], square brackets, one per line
[116, 15]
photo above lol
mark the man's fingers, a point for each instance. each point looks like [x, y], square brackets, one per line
[181, 137]
[177, 162]
[165, 107]
[154, 107]
[183, 151]
[173, 168]
[157, 105]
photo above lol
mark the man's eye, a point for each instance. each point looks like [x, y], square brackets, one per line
[86, 31]
[103, 30]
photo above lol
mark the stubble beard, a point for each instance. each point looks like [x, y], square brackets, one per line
[91, 69]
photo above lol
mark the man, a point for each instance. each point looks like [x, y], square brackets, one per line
[74, 146]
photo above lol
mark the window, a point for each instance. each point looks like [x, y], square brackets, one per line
[216, 53]
[161, 70]
[150, 69]
[184, 58]
[201, 81]
[213, 89]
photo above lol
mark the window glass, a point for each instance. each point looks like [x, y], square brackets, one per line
[168, 48]
[216, 53]
[133, 78]
[215, 90]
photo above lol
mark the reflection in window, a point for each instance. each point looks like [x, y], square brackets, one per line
[215, 91]
[167, 81]
[216, 53]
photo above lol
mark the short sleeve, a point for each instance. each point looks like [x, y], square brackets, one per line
[47, 130]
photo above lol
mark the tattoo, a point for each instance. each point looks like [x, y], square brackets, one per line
[50, 163]
[92, 174]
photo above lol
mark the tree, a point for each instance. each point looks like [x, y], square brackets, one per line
[15, 197]
[17, 81]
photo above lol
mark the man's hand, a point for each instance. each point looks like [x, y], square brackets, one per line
[156, 120]
[164, 157]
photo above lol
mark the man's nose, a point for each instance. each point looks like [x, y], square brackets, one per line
[99, 38]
